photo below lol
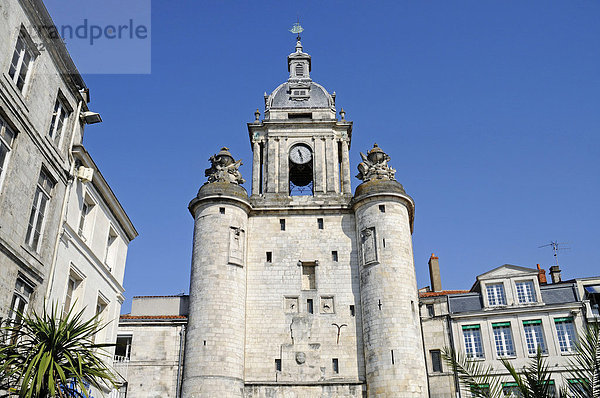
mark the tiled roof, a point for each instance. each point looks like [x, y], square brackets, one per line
[127, 316]
[442, 293]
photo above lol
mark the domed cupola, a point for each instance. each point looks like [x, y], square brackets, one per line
[299, 93]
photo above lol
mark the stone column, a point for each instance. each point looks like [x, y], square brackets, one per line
[336, 166]
[271, 163]
[318, 165]
[346, 187]
[283, 174]
[256, 168]
[330, 165]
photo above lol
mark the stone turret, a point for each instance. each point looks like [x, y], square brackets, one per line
[393, 347]
[214, 349]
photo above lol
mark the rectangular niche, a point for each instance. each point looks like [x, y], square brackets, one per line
[309, 280]
[290, 305]
[326, 306]
[237, 243]
[368, 245]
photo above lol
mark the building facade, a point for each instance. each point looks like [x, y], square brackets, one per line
[509, 312]
[63, 233]
[150, 343]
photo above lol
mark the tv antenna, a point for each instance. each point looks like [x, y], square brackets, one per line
[556, 246]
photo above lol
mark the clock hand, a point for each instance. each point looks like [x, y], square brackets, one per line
[300, 153]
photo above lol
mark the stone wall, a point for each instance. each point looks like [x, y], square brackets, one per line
[279, 325]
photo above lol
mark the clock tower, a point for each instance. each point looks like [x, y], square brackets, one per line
[300, 148]
[302, 289]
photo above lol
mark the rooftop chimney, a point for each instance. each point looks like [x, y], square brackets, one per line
[434, 273]
[542, 275]
[555, 274]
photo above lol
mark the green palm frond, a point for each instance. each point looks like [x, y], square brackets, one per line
[585, 365]
[475, 378]
[53, 355]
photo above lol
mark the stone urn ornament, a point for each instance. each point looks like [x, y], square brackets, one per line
[374, 166]
[224, 168]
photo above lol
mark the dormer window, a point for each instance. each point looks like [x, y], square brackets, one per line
[526, 292]
[495, 294]
[299, 70]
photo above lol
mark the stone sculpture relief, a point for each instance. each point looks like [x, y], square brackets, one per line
[236, 246]
[368, 245]
[374, 166]
[224, 168]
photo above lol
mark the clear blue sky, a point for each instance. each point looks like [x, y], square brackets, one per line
[489, 110]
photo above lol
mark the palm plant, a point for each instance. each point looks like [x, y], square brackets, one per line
[585, 366]
[52, 355]
[481, 381]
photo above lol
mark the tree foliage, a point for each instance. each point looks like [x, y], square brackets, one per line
[52, 355]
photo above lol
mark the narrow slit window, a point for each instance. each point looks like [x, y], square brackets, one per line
[320, 223]
[309, 306]
[351, 310]
[436, 361]
[269, 257]
[382, 208]
[335, 365]
[334, 256]
[282, 224]
[384, 242]
[278, 365]
[392, 352]
[222, 210]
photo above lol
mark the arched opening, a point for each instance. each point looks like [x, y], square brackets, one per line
[301, 170]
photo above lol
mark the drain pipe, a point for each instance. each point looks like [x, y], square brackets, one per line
[180, 361]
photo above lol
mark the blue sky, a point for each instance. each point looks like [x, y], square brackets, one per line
[489, 110]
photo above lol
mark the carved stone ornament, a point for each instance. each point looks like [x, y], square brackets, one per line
[374, 166]
[224, 168]
[300, 358]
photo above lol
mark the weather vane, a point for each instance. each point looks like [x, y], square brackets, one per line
[297, 29]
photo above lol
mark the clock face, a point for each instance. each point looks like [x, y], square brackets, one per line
[300, 154]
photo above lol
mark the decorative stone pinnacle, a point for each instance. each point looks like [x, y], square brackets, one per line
[343, 114]
[374, 166]
[224, 168]
[257, 116]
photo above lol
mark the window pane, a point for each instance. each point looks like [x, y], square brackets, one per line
[473, 345]
[526, 292]
[534, 337]
[566, 335]
[503, 341]
[495, 294]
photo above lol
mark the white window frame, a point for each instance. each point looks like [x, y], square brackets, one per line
[503, 341]
[21, 297]
[78, 279]
[473, 342]
[23, 47]
[127, 357]
[86, 217]
[112, 246]
[534, 337]
[59, 121]
[7, 138]
[565, 332]
[37, 217]
[495, 294]
[526, 292]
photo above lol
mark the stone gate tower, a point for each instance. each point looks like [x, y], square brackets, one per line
[302, 289]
